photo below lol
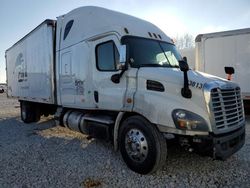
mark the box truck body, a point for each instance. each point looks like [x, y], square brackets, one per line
[120, 78]
[30, 65]
[214, 51]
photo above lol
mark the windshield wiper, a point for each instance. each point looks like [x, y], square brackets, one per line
[175, 66]
[153, 65]
[158, 65]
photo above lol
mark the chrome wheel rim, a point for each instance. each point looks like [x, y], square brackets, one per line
[136, 145]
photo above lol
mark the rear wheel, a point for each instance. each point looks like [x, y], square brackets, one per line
[29, 113]
[143, 147]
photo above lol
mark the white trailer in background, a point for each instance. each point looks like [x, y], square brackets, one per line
[214, 51]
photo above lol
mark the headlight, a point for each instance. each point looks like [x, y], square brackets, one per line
[187, 120]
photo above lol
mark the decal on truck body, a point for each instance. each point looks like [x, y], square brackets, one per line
[21, 68]
[194, 84]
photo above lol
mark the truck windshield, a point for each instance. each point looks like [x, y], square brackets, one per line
[151, 53]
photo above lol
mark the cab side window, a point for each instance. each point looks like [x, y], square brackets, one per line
[107, 56]
[67, 28]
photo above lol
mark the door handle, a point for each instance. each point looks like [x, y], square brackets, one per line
[65, 68]
[96, 96]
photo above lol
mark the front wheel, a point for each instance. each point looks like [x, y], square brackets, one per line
[143, 147]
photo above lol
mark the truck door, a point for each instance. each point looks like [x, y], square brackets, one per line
[107, 94]
[67, 86]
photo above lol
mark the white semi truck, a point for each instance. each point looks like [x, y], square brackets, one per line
[120, 78]
[214, 51]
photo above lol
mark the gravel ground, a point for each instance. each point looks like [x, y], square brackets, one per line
[44, 155]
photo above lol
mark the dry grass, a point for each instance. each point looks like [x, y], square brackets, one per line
[90, 183]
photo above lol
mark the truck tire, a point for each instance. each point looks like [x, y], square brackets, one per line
[29, 113]
[142, 146]
[37, 115]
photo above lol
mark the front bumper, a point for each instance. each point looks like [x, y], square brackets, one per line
[220, 146]
[227, 145]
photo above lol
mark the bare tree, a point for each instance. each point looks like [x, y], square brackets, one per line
[184, 41]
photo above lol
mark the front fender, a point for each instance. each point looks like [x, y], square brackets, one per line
[157, 107]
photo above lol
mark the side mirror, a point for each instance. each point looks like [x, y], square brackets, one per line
[121, 65]
[115, 78]
[229, 71]
[185, 91]
[122, 60]
[183, 65]
[185, 59]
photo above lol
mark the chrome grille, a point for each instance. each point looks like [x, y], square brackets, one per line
[227, 108]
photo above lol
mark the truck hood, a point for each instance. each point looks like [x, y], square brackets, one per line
[157, 104]
[162, 103]
[173, 82]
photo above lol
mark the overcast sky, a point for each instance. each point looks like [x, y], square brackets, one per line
[174, 17]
